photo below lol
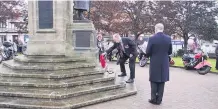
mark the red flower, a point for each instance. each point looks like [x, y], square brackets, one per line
[102, 61]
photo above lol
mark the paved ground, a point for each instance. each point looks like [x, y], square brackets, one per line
[185, 90]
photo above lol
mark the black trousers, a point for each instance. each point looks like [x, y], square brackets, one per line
[216, 62]
[157, 90]
[99, 57]
[131, 65]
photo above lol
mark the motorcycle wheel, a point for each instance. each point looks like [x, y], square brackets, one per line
[204, 70]
[143, 62]
[186, 67]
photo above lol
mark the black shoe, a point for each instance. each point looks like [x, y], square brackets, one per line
[152, 102]
[130, 81]
[158, 103]
[122, 75]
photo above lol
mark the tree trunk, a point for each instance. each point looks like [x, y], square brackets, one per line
[136, 37]
[185, 37]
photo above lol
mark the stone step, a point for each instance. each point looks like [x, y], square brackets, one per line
[6, 108]
[25, 59]
[70, 103]
[46, 67]
[49, 83]
[60, 93]
[70, 73]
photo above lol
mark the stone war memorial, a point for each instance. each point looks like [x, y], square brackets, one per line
[60, 69]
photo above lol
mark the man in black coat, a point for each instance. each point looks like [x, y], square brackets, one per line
[159, 48]
[216, 52]
[127, 50]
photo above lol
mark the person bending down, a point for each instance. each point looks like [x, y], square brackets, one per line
[127, 50]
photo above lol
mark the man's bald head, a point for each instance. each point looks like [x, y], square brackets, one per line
[159, 27]
[116, 38]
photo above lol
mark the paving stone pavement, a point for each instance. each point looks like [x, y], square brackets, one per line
[185, 90]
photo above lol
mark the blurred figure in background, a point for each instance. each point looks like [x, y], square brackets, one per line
[100, 44]
[191, 45]
[20, 45]
[216, 52]
[14, 47]
[16, 42]
[140, 40]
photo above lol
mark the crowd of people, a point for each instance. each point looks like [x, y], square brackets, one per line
[158, 49]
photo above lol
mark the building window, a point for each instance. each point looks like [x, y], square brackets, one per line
[3, 38]
[45, 14]
[3, 25]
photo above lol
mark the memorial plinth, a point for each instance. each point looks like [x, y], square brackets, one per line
[60, 69]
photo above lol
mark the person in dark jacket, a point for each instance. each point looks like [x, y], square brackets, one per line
[159, 48]
[127, 50]
[100, 45]
[216, 52]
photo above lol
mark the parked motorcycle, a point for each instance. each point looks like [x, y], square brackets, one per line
[197, 62]
[6, 51]
[143, 60]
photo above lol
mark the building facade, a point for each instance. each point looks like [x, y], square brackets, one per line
[9, 31]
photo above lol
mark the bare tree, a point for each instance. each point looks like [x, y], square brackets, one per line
[190, 17]
[8, 10]
[140, 15]
[105, 15]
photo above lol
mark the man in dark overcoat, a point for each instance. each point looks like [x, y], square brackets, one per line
[159, 48]
[127, 50]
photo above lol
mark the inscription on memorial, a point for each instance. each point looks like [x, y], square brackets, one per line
[45, 14]
[82, 38]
